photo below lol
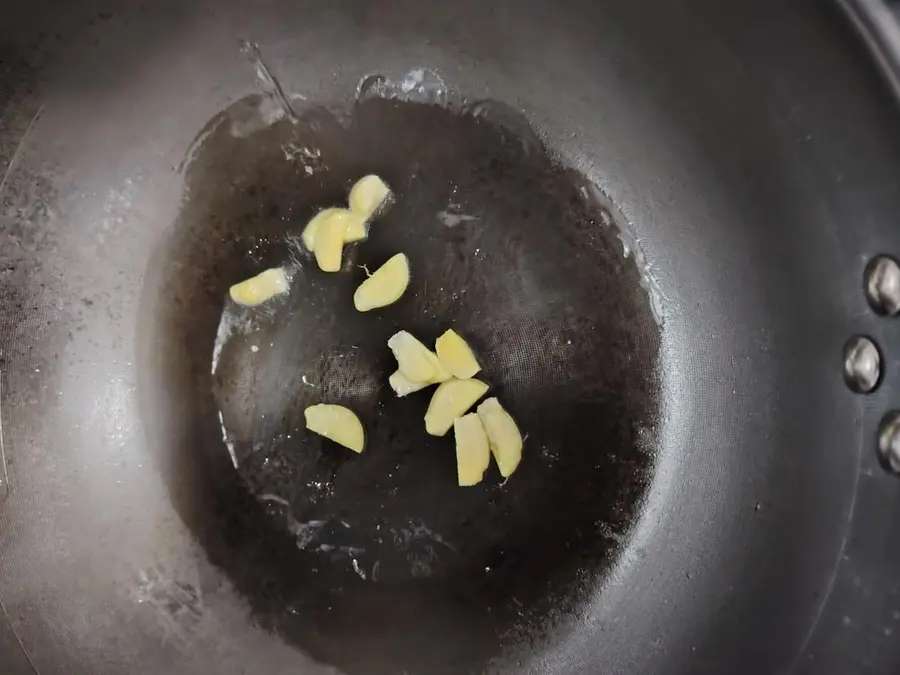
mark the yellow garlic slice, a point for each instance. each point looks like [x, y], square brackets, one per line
[451, 400]
[368, 195]
[329, 244]
[385, 286]
[336, 423]
[503, 435]
[414, 360]
[403, 386]
[309, 232]
[258, 289]
[355, 227]
[473, 454]
[440, 373]
[456, 356]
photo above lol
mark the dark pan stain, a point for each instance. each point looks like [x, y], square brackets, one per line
[503, 247]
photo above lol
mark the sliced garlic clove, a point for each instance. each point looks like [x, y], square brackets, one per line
[413, 358]
[451, 400]
[385, 286]
[473, 454]
[336, 423]
[368, 195]
[355, 227]
[403, 386]
[440, 373]
[309, 232]
[503, 434]
[258, 289]
[329, 244]
[309, 235]
[456, 356]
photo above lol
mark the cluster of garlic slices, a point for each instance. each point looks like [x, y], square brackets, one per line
[452, 365]
[325, 237]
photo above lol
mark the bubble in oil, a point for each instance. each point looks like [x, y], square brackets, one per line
[418, 85]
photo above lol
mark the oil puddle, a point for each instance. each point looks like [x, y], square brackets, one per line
[378, 562]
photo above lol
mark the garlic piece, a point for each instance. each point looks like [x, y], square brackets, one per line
[440, 373]
[336, 423]
[355, 227]
[451, 400]
[403, 385]
[456, 356]
[414, 359]
[368, 195]
[309, 232]
[385, 286]
[503, 435]
[258, 289]
[473, 454]
[329, 244]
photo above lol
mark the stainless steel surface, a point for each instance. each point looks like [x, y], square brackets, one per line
[882, 284]
[889, 442]
[862, 364]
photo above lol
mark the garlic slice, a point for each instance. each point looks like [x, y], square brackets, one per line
[258, 289]
[451, 400]
[329, 243]
[414, 360]
[503, 434]
[336, 423]
[456, 356]
[385, 286]
[355, 227]
[403, 386]
[473, 454]
[368, 195]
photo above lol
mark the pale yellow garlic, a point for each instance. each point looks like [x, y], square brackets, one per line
[456, 356]
[503, 435]
[414, 360]
[440, 373]
[385, 285]
[473, 454]
[451, 400]
[403, 385]
[309, 232]
[354, 225]
[368, 195]
[336, 423]
[329, 244]
[258, 289]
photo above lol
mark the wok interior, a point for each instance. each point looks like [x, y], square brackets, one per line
[372, 560]
[755, 156]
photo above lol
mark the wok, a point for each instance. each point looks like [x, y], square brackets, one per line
[667, 229]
